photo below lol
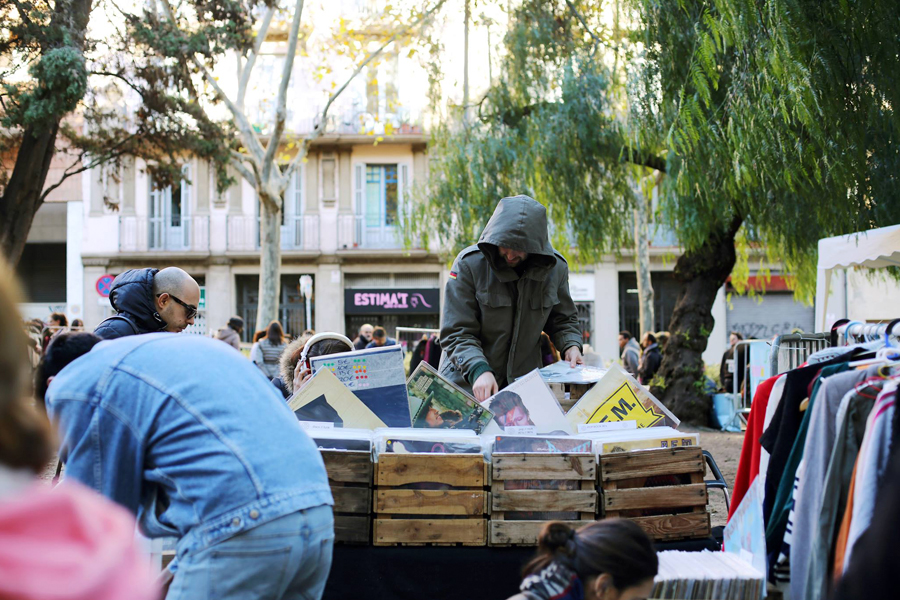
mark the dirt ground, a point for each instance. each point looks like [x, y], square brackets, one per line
[725, 448]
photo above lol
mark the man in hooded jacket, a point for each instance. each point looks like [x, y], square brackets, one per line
[150, 300]
[501, 294]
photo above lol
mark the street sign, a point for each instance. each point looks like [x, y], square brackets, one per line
[104, 285]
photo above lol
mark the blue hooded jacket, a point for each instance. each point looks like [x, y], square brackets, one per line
[132, 299]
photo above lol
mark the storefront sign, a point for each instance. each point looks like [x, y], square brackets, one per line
[581, 287]
[392, 301]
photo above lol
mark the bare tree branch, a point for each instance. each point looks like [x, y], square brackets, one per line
[587, 28]
[250, 139]
[237, 161]
[319, 128]
[281, 103]
[244, 72]
[115, 152]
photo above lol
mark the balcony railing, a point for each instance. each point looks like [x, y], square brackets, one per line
[354, 233]
[150, 234]
[297, 233]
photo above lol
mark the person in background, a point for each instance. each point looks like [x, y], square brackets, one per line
[270, 349]
[65, 543]
[662, 338]
[651, 358]
[55, 324]
[288, 363]
[150, 300]
[185, 450]
[254, 349]
[231, 333]
[549, 353]
[630, 352]
[611, 559]
[77, 325]
[321, 344]
[418, 354]
[364, 337]
[380, 338]
[728, 367]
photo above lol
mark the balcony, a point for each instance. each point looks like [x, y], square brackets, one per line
[354, 234]
[150, 234]
[297, 233]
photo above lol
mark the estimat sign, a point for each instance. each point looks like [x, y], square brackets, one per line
[392, 301]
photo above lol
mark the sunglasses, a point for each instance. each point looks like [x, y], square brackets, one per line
[190, 311]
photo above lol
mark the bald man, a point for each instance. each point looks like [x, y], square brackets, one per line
[150, 300]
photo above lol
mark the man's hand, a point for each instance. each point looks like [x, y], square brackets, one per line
[485, 386]
[573, 356]
[301, 376]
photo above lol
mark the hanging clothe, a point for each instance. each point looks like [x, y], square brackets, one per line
[783, 501]
[779, 438]
[748, 464]
[872, 568]
[817, 451]
[851, 423]
[873, 461]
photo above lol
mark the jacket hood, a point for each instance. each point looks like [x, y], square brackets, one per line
[519, 223]
[132, 294]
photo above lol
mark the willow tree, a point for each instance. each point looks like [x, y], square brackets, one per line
[770, 126]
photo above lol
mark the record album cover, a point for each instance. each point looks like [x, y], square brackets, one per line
[376, 376]
[435, 402]
[324, 398]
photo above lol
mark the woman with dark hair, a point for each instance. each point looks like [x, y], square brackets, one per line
[270, 350]
[606, 560]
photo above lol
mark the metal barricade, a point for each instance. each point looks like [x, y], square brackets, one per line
[791, 350]
[750, 367]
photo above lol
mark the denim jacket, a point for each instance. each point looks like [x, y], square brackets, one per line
[187, 434]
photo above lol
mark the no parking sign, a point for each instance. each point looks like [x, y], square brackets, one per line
[104, 285]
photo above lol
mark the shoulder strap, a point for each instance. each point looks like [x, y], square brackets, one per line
[134, 327]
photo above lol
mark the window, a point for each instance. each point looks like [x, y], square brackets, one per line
[381, 195]
[169, 211]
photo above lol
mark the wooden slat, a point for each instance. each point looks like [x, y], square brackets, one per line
[649, 463]
[544, 500]
[674, 527]
[504, 533]
[352, 529]
[461, 470]
[544, 466]
[352, 499]
[346, 466]
[669, 496]
[431, 502]
[411, 531]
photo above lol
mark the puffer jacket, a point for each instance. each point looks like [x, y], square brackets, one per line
[132, 299]
[229, 336]
[493, 317]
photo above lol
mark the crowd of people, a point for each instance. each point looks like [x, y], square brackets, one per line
[185, 436]
[642, 360]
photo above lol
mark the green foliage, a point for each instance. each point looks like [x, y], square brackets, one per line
[59, 81]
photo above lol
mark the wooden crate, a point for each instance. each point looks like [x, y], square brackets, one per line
[569, 393]
[408, 514]
[350, 477]
[631, 487]
[544, 466]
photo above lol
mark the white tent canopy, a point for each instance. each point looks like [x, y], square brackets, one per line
[873, 249]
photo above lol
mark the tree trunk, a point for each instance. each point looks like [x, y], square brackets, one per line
[701, 272]
[642, 261]
[269, 262]
[22, 197]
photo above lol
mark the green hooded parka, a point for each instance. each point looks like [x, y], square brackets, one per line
[493, 316]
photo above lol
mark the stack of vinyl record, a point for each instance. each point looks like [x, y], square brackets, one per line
[706, 576]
